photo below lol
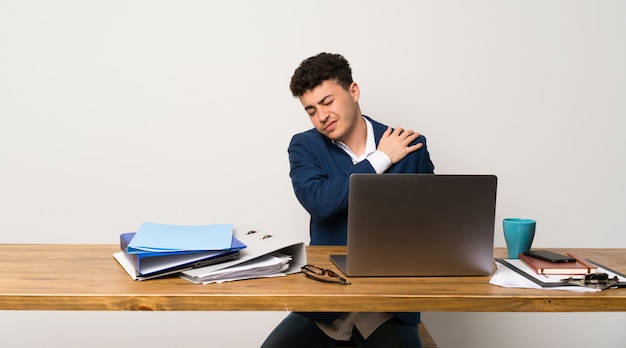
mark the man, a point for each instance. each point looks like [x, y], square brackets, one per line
[343, 142]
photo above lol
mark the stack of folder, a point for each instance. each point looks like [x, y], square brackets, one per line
[266, 255]
[157, 250]
[207, 253]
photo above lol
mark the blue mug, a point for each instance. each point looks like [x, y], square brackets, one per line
[519, 235]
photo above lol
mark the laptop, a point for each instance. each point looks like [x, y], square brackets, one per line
[419, 225]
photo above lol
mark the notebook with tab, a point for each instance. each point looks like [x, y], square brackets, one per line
[419, 225]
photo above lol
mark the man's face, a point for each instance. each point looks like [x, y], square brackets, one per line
[333, 110]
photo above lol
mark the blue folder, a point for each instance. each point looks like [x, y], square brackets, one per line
[156, 237]
[150, 264]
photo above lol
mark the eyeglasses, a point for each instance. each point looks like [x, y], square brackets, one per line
[323, 275]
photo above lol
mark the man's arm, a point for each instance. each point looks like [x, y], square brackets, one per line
[321, 183]
[320, 180]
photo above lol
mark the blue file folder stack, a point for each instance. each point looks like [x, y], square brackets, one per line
[156, 250]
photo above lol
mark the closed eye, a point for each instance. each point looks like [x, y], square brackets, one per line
[327, 100]
[310, 110]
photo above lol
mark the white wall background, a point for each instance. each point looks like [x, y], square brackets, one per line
[114, 113]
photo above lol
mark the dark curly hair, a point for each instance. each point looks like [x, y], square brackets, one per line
[317, 69]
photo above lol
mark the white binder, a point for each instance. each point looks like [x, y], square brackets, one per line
[259, 246]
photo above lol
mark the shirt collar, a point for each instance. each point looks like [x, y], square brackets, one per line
[370, 144]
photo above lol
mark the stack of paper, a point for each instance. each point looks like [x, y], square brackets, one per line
[157, 250]
[266, 256]
[265, 266]
[514, 273]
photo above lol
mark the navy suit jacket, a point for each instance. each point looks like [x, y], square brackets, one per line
[320, 173]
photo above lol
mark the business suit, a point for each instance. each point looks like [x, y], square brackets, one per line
[320, 173]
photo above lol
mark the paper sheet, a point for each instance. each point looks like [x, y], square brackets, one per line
[261, 267]
[508, 278]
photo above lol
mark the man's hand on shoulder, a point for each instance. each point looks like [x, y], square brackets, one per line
[395, 143]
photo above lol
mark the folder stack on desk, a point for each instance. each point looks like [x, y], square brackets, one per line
[207, 254]
[266, 255]
[157, 250]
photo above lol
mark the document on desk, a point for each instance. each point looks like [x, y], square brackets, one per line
[513, 273]
[259, 245]
[147, 265]
[265, 266]
[508, 278]
[158, 266]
